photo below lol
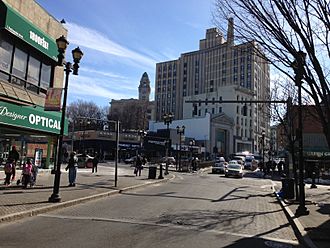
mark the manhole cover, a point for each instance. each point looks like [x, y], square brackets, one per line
[274, 244]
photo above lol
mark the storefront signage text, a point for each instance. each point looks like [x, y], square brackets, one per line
[39, 40]
[30, 117]
[25, 30]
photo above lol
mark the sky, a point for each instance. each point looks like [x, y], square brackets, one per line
[122, 39]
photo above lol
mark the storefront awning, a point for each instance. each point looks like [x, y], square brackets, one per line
[22, 28]
[33, 118]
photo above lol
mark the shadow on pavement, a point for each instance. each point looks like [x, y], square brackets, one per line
[259, 242]
[23, 203]
[320, 234]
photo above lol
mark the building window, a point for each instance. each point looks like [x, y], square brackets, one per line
[213, 111]
[199, 112]
[220, 109]
[20, 63]
[33, 71]
[46, 71]
[6, 50]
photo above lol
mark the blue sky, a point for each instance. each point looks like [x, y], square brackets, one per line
[121, 39]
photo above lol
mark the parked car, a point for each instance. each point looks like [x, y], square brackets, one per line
[250, 163]
[219, 165]
[170, 160]
[234, 169]
[84, 161]
[130, 160]
[239, 159]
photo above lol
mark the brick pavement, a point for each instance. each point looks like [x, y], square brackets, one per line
[315, 227]
[16, 202]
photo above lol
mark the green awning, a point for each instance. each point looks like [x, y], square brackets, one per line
[34, 118]
[22, 28]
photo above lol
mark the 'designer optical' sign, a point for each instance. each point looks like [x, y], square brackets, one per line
[31, 118]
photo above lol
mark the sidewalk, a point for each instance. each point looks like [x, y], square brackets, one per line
[16, 203]
[314, 229]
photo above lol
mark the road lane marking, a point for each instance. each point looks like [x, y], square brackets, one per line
[169, 225]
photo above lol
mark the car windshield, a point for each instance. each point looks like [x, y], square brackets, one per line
[234, 166]
[220, 165]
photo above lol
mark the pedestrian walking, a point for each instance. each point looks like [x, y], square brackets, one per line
[34, 175]
[72, 167]
[27, 172]
[10, 171]
[138, 165]
[13, 154]
[95, 162]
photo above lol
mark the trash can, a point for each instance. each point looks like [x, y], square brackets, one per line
[152, 172]
[288, 188]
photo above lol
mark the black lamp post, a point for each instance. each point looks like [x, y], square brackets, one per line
[167, 121]
[84, 124]
[77, 54]
[298, 67]
[191, 144]
[180, 131]
[263, 152]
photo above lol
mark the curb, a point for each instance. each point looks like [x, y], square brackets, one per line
[295, 223]
[55, 206]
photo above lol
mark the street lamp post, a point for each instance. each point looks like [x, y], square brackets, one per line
[298, 67]
[191, 144]
[180, 131]
[263, 152]
[77, 54]
[84, 125]
[167, 121]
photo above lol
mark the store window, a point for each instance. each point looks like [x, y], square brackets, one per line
[33, 71]
[22, 68]
[6, 51]
[20, 63]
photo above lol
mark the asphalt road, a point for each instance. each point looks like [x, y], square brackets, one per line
[192, 210]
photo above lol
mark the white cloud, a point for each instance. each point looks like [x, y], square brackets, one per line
[103, 73]
[92, 39]
[91, 87]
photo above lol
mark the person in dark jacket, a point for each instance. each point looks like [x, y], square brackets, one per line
[138, 165]
[72, 167]
[95, 162]
[13, 154]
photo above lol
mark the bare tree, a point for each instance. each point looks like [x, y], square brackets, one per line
[283, 28]
[85, 109]
[131, 114]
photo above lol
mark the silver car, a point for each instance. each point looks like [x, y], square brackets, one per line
[234, 169]
[219, 166]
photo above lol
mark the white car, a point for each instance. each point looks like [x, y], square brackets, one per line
[170, 160]
[234, 169]
[84, 161]
[219, 166]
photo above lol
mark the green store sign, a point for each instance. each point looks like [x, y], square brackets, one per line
[25, 30]
[31, 118]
